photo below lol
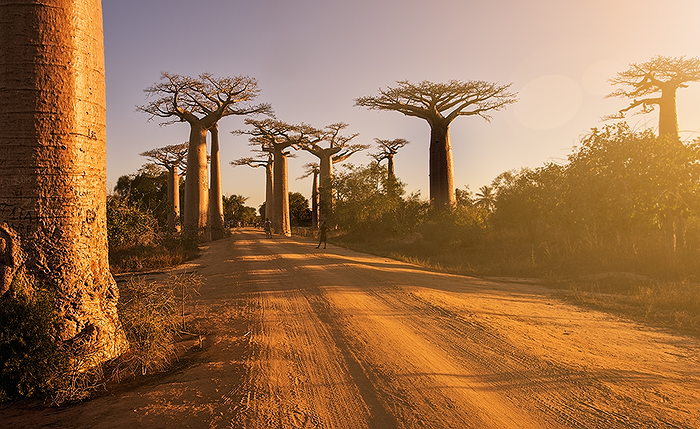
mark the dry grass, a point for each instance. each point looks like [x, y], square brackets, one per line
[666, 304]
[663, 297]
[168, 253]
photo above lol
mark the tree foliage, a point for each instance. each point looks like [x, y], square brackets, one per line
[656, 82]
[299, 211]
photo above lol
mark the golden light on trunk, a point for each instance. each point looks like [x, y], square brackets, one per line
[52, 162]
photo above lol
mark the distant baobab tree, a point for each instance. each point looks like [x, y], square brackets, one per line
[172, 157]
[312, 169]
[657, 81]
[440, 104]
[330, 147]
[53, 231]
[386, 149]
[201, 102]
[264, 160]
[276, 137]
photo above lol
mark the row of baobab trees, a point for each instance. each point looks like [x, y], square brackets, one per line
[204, 100]
[273, 141]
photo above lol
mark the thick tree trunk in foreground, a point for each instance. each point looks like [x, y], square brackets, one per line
[442, 189]
[216, 203]
[281, 221]
[173, 199]
[52, 164]
[196, 185]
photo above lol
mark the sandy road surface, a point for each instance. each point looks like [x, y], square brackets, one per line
[307, 338]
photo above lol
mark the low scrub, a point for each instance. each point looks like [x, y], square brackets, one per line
[167, 251]
[35, 363]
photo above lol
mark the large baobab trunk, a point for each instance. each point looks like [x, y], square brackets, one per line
[442, 189]
[216, 203]
[281, 221]
[196, 185]
[314, 202]
[668, 113]
[173, 198]
[390, 168]
[326, 188]
[52, 164]
[269, 191]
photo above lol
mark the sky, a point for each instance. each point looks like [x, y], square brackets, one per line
[313, 58]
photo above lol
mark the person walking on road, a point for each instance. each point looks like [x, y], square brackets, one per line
[322, 235]
[267, 226]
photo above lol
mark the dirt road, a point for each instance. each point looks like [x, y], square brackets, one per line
[310, 338]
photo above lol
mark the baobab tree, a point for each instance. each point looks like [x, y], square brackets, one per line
[53, 230]
[172, 157]
[263, 160]
[276, 137]
[386, 149]
[330, 147]
[201, 102]
[312, 169]
[440, 104]
[657, 81]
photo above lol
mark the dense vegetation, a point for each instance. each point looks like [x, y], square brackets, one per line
[624, 207]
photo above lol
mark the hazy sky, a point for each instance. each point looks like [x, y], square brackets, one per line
[312, 58]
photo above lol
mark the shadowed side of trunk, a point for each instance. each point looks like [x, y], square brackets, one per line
[52, 163]
[216, 204]
[197, 185]
[442, 192]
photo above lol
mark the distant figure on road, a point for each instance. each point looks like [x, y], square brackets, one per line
[268, 228]
[322, 235]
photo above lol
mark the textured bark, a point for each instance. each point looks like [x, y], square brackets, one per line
[325, 197]
[442, 193]
[52, 163]
[269, 190]
[173, 198]
[281, 221]
[196, 209]
[216, 203]
[315, 214]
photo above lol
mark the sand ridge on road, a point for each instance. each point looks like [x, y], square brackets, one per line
[311, 338]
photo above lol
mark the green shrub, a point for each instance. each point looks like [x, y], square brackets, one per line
[31, 363]
[128, 225]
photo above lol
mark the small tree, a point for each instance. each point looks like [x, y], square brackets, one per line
[386, 149]
[264, 159]
[440, 104]
[201, 102]
[330, 147]
[172, 157]
[661, 76]
[299, 212]
[312, 169]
